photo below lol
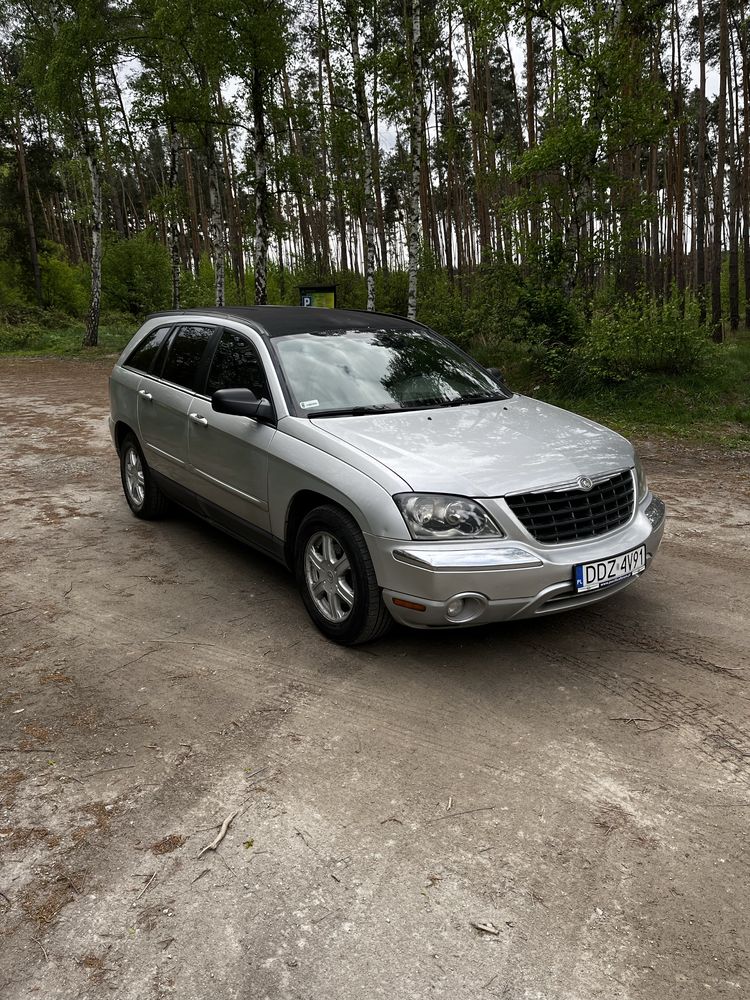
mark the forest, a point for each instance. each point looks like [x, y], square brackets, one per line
[562, 187]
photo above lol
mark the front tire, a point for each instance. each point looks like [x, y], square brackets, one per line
[144, 497]
[336, 578]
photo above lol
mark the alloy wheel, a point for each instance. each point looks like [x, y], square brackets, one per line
[329, 577]
[135, 482]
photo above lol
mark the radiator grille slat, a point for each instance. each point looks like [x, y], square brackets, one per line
[574, 514]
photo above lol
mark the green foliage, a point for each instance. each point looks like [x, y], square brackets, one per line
[13, 293]
[33, 331]
[65, 286]
[639, 336]
[199, 292]
[711, 405]
[440, 305]
[136, 274]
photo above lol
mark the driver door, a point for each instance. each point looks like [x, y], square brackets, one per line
[229, 454]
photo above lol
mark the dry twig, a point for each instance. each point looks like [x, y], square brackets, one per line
[466, 812]
[219, 836]
[146, 887]
[106, 770]
[44, 950]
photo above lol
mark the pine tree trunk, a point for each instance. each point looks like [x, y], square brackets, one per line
[364, 121]
[700, 196]
[260, 251]
[717, 329]
[379, 218]
[340, 209]
[30, 227]
[734, 128]
[416, 157]
[131, 147]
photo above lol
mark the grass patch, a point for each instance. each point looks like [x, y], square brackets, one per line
[62, 337]
[713, 406]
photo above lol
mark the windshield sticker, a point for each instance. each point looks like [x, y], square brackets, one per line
[308, 404]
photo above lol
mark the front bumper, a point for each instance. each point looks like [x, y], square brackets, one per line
[500, 580]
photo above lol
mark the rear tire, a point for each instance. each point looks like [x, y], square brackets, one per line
[336, 578]
[144, 497]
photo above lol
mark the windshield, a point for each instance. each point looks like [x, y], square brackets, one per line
[339, 372]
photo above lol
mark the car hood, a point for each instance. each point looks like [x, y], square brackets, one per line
[486, 449]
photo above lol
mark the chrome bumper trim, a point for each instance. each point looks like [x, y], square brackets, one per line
[467, 557]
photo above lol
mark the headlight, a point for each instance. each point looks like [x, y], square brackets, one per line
[432, 515]
[640, 478]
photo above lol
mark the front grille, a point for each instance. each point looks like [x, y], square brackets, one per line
[569, 515]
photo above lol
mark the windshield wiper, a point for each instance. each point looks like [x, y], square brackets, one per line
[477, 397]
[356, 411]
[412, 404]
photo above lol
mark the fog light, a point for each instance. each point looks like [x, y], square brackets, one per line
[455, 607]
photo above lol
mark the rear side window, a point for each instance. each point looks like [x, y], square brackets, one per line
[143, 356]
[236, 365]
[186, 351]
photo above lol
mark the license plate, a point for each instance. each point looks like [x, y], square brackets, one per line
[605, 572]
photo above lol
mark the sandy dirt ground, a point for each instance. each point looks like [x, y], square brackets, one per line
[579, 785]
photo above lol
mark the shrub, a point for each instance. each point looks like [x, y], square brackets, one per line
[439, 302]
[135, 274]
[639, 336]
[65, 286]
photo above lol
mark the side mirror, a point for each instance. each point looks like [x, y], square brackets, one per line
[242, 403]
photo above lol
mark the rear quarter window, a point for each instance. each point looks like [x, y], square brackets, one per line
[142, 357]
[185, 354]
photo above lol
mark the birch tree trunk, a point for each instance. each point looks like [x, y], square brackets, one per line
[260, 252]
[91, 336]
[746, 163]
[174, 235]
[416, 157]
[216, 222]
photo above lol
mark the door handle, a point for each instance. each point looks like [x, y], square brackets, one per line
[145, 395]
[198, 419]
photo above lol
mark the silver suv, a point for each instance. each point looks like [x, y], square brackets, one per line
[397, 477]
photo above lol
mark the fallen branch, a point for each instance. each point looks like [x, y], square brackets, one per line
[106, 770]
[145, 888]
[219, 836]
[466, 812]
[486, 928]
[134, 660]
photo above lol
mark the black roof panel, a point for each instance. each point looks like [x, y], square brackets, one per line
[278, 321]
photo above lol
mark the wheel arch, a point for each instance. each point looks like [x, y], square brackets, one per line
[300, 505]
[121, 430]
